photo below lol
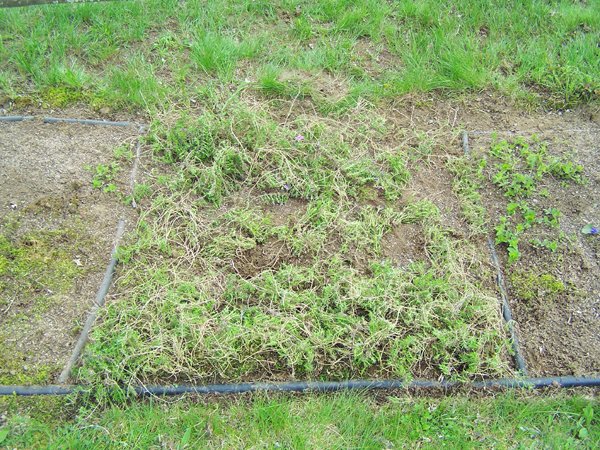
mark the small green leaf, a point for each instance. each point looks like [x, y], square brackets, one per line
[588, 414]
[186, 438]
[583, 433]
[3, 435]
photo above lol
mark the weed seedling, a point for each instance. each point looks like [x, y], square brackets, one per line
[104, 176]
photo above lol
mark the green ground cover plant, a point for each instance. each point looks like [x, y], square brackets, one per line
[522, 169]
[260, 253]
[467, 184]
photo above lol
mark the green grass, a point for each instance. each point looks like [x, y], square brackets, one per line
[334, 421]
[141, 55]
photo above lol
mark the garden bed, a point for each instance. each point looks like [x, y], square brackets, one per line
[277, 249]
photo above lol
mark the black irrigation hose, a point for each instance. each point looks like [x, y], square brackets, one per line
[88, 122]
[14, 118]
[509, 132]
[506, 312]
[322, 386]
[29, 391]
[98, 303]
[136, 163]
[332, 386]
[68, 120]
[465, 142]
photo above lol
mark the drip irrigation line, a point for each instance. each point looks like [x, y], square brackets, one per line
[465, 143]
[29, 391]
[505, 305]
[71, 120]
[88, 122]
[332, 386]
[322, 386]
[14, 118]
[98, 303]
[506, 312]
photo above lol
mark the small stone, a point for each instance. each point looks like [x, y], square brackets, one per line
[105, 110]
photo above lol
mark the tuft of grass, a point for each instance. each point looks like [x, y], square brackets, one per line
[215, 53]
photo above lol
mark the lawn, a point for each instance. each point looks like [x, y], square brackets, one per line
[334, 421]
[156, 55]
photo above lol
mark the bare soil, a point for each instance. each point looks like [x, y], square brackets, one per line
[560, 334]
[45, 186]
